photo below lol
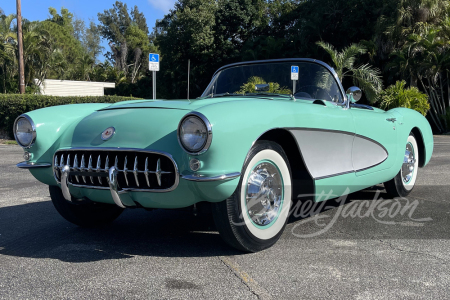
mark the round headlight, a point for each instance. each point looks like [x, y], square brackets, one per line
[194, 133]
[24, 131]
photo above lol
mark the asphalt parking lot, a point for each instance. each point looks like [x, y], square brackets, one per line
[339, 253]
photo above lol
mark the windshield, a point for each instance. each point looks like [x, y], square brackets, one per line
[314, 81]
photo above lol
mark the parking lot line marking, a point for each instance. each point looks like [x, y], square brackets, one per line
[251, 284]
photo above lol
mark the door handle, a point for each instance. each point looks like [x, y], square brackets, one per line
[391, 120]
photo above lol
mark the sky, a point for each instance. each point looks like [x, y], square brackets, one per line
[37, 10]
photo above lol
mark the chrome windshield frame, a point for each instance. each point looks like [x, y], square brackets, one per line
[291, 60]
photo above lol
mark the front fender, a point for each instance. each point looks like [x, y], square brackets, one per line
[408, 121]
[52, 123]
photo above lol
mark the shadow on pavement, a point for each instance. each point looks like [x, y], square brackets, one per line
[36, 230]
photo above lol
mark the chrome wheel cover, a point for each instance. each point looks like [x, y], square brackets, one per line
[408, 166]
[264, 195]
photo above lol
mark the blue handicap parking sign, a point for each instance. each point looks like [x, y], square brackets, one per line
[294, 69]
[154, 57]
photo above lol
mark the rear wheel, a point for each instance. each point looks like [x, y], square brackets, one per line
[403, 183]
[254, 217]
[83, 213]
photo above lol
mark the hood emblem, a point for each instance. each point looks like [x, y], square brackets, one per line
[108, 133]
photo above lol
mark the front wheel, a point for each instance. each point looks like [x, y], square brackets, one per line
[82, 213]
[254, 217]
[403, 183]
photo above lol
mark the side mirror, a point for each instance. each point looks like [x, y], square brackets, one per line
[262, 87]
[354, 94]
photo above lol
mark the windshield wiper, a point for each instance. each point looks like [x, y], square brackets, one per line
[212, 95]
[271, 94]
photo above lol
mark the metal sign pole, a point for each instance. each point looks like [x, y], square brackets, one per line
[189, 73]
[153, 65]
[154, 85]
[293, 88]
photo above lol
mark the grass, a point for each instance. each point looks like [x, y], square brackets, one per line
[8, 142]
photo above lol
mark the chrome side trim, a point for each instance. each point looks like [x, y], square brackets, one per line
[83, 168]
[199, 178]
[32, 126]
[208, 128]
[114, 187]
[30, 165]
[64, 180]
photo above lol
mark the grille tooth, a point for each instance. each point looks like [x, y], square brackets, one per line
[82, 167]
[125, 171]
[55, 167]
[158, 171]
[75, 167]
[107, 163]
[116, 162]
[90, 168]
[68, 160]
[135, 170]
[61, 162]
[98, 169]
[146, 171]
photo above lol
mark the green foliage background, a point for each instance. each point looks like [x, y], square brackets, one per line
[398, 96]
[371, 43]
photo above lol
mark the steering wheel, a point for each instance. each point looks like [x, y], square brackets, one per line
[314, 90]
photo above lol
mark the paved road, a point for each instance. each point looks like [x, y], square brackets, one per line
[362, 253]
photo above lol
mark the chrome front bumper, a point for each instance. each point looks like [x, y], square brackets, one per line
[200, 178]
[30, 165]
[114, 186]
[68, 168]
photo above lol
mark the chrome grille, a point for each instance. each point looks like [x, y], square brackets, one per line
[137, 169]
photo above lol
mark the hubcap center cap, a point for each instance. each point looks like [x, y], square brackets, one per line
[264, 193]
[409, 162]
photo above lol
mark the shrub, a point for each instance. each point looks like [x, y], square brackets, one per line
[397, 96]
[13, 105]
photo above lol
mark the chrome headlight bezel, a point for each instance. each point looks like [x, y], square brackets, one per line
[208, 126]
[33, 132]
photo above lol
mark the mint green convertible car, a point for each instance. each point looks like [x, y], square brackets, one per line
[263, 134]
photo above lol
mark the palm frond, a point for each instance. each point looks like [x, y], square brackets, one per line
[350, 53]
[369, 80]
[330, 50]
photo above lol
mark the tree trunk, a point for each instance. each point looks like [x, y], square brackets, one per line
[443, 101]
[448, 89]
[433, 113]
[439, 107]
[413, 81]
[4, 77]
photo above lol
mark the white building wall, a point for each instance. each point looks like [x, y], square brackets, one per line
[52, 87]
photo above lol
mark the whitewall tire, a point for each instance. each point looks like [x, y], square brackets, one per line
[403, 183]
[254, 217]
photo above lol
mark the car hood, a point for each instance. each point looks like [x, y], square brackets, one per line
[134, 128]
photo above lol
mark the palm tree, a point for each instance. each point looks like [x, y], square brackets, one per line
[365, 76]
[85, 64]
[8, 40]
[432, 53]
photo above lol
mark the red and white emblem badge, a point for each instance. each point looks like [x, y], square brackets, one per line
[108, 133]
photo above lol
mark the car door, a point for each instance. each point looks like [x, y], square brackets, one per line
[374, 146]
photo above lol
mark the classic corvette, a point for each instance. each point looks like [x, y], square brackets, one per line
[251, 145]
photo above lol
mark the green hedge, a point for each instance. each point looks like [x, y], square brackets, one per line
[13, 105]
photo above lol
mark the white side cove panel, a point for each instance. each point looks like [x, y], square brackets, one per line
[51, 87]
[367, 153]
[326, 153]
[330, 153]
